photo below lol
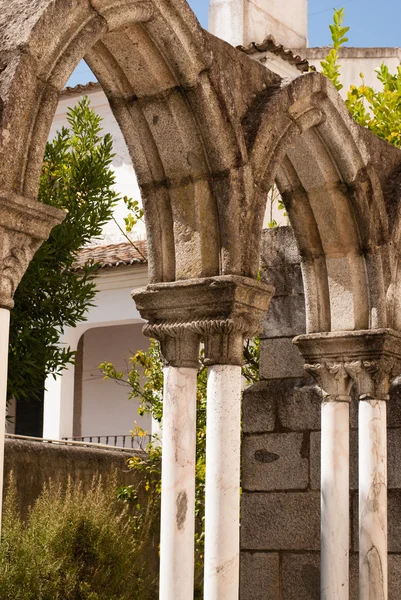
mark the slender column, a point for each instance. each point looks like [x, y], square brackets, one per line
[223, 457]
[178, 484]
[335, 501]
[335, 525]
[371, 359]
[373, 500]
[180, 349]
[4, 336]
[373, 381]
[221, 311]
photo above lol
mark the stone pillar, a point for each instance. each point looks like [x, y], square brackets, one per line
[241, 22]
[370, 359]
[373, 374]
[336, 384]
[180, 349]
[24, 225]
[223, 354]
[220, 311]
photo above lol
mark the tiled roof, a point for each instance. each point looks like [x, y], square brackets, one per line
[269, 45]
[81, 89]
[114, 255]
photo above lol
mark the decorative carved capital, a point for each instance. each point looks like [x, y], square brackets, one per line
[333, 378]
[179, 345]
[24, 225]
[370, 358]
[220, 311]
[373, 377]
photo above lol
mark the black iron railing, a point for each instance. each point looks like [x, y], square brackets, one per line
[136, 442]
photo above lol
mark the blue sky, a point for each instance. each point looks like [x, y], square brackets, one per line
[372, 22]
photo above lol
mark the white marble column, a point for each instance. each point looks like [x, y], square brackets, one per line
[223, 448]
[372, 500]
[335, 501]
[177, 544]
[4, 338]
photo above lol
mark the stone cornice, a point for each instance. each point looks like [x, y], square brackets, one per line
[24, 225]
[370, 358]
[220, 311]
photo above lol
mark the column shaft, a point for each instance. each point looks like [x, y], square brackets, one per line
[223, 483]
[177, 543]
[335, 501]
[373, 500]
[4, 339]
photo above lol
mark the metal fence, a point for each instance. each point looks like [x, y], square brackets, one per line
[136, 442]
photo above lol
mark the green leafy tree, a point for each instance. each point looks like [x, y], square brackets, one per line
[379, 110]
[77, 178]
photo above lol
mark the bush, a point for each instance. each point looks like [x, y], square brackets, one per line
[75, 545]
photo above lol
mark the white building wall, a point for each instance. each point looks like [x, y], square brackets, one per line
[106, 409]
[240, 22]
[354, 61]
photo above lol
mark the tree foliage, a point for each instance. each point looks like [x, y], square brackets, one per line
[330, 66]
[379, 110]
[77, 178]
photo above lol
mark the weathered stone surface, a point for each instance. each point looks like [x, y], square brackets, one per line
[259, 576]
[275, 461]
[285, 317]
[282, 405]
[34, 463]
[275, 521]
[280, 261]
[300, 576]
[24, 225]
[258, 407]
[221, 311]
[299, 408]
[280, 359]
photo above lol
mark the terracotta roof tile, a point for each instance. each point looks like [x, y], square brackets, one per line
[269, 45]
[114, 255]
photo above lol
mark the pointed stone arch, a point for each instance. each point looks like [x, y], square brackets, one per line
[326, 169]
[156, 67]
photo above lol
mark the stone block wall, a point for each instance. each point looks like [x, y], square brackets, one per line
[280, 526]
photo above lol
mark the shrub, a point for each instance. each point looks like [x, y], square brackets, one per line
[74, 545]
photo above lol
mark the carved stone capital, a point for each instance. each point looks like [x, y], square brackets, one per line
[333, 378]
[369, 358]
[24, 225]
[220, 311]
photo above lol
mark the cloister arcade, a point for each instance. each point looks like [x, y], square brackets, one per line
[209, 131]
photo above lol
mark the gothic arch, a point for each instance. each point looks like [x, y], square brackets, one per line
[309, 144]
[155, 65]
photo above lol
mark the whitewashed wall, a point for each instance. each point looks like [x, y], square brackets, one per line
[354, 61]
[106, 409]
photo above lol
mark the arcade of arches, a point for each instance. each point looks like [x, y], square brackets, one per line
[209, 131]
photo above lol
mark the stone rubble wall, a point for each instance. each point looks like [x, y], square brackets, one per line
[34, 463]
[280, 527]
